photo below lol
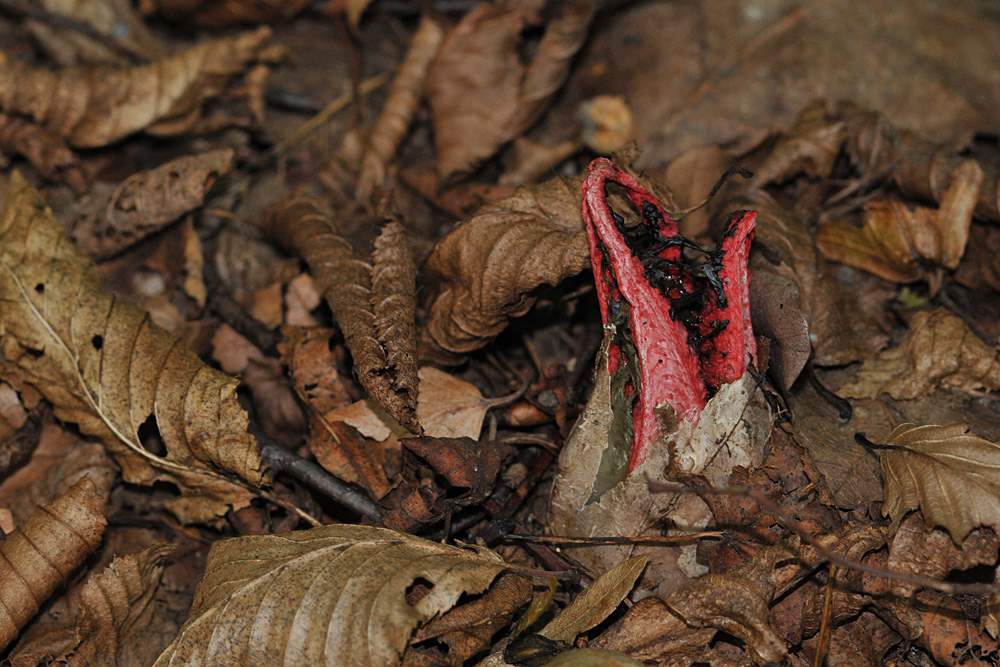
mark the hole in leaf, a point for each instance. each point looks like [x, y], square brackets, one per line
[33, 352]
[433, 646]
[150, 438]
[97, 341]
[416, 591]
[40, 288]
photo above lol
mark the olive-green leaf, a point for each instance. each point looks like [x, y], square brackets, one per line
[597, 602]
[952, 475]
[329, 596]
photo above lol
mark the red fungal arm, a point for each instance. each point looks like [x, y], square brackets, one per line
[668, 367]
[729, 346]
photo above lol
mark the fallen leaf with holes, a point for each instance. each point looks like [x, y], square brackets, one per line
[898, 243]
[95, 106]
[145, 203]
[949, 473]
[939, 351]
[40, 556]
[105, 366]
[463, 462]
[115, 605]
[683, 623]
[326, 595]
[486, 270]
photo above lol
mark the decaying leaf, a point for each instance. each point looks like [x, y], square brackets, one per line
[116, 20]
[450, 407]
[46, 151]
[775, 308]
[939, 351]
[590, 657]
[42, 554]
[146, 202]
[105, 366]
[897, 243]
[20, 432]
[374, 306]
[98, 105]
[221, 13]
[463, 462]
[949, 473]
[114, 604]
[324, 596]
[736, 602]
[404, 98]
[313, 367]
[481, 94]
[486, 269]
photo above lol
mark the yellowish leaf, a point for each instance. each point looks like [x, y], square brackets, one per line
[592, 657]
[105, 366]
[333, 595]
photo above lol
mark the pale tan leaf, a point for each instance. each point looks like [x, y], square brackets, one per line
[592, 657]
[952, 475]
[115, 19]
[222, 13]
[44, 552]
[332, 595]
[95, 106]
[146, 202]
[449, 407]
[488, 267]
[115, 605]
[105, 366]
[597, 602]
[939, 351]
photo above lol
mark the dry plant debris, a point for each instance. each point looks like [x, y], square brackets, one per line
[479, 368]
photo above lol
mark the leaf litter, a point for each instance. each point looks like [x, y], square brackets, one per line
[436, 350]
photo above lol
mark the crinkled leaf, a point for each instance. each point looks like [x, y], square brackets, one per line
[939, 351]
[105, 366]
[332, 595]
[952, 475]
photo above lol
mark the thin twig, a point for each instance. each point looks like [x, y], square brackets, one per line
[796, 527]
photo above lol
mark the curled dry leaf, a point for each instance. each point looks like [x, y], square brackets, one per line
[46, 151]
[939, 351]
[105, 366]
[809, 147]
[952, 475]
[114, 604]
[95, 106]
[42, 554]
[113, 19]
[481, 94]
[463, 462]
[221, 13]
[736, 602]
[590, 657]
[373, 306]
[146, 202]
[404, 98]
[897, 243]
[486, 269]
[327, 596]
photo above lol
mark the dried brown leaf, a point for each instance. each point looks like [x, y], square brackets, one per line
[115, 20]
[313, 367]
[326, 596]
[463, 462]
[939, 351]
[41, 555]
[115, 605]
[402, 103]
[46, 151]
[146, 202]
[98, 105]
[949, 473]
[486, 269]
[374, 307]
[467, 629]
[899, 244]
[450, 407]
[105, 366]
[776, 313]
[596, 603]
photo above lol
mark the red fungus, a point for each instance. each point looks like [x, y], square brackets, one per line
[677, 332]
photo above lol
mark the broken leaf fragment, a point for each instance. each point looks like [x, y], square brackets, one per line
[951, 475]
[939, 351]
[332, 595]
[106, 367]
